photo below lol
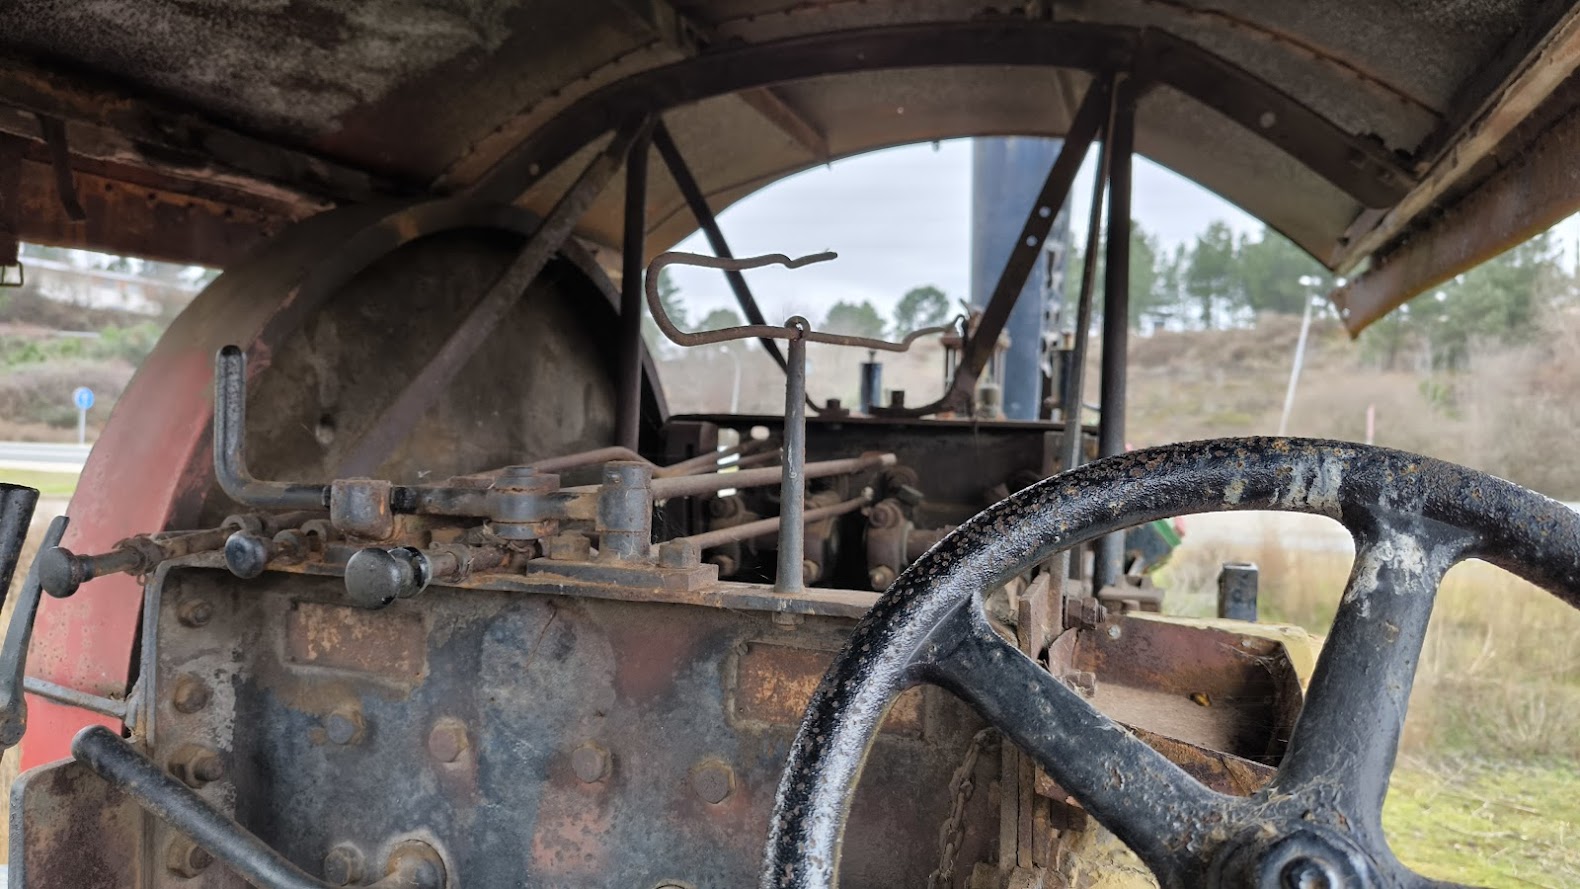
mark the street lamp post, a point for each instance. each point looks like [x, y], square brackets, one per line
[1307, 282]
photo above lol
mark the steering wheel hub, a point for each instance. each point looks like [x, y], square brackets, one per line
[1303, 857]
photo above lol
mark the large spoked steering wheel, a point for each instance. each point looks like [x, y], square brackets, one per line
[1318, 824]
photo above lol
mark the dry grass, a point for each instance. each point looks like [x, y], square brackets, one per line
[1487, 786]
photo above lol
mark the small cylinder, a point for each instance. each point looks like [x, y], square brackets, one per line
[1237, 588]
[871, 386]
[625, 511]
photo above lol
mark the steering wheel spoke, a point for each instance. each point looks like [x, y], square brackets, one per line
[1146, 800]
[1319, 823]
[1343, 747]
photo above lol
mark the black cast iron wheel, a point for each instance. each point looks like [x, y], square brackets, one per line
[1318, 824]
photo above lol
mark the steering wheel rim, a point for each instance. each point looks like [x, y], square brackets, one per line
[1413, 518]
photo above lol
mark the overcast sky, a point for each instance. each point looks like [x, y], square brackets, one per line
[902, 218]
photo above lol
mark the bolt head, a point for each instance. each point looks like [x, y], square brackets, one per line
[590, 762]
[186, 859]
[343, 726]
[447, 740]
[191, 694]
[679, 554]
[344, 865]
[880, 577]
[712, 781]
[195, 613]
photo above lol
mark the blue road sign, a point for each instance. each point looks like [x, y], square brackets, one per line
[82, 398]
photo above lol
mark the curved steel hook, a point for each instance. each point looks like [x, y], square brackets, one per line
[757, 331]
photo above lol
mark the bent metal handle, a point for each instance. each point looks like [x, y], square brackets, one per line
[412, 865]
[230, 430]
[757, 331]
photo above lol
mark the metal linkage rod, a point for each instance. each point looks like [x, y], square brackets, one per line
[628, 403]
[792, 487]
[413, 864]
[391, 426]
[734, 533]
[230, 431]
[1116, 313]
[713, 482]
[698, 203]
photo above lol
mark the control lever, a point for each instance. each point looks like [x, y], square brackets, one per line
[16, 514]
[413, 864]
[61, 571]
[249, 553]
[13, 653]
[376, 576]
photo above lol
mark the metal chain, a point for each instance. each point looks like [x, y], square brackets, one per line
[961, 786]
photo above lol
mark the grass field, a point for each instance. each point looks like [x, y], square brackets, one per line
[1487, 790]
[49, 484]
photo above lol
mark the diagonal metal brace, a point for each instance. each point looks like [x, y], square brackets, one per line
[1088, 122]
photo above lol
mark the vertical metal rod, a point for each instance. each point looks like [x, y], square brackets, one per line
[1067, 565]
[1075, 379]
[1116, 312]
[632, 246]
[792, 491]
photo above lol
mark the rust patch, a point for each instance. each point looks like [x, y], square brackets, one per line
[388, 644]
[774, 682]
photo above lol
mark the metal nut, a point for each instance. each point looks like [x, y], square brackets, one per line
[590, 762]
[447, 740]
[191, 694]
[186, 859]
[195, 612]
[570, 547]
[713, 781]
[679, 554]
[343, 726]
[344, 865]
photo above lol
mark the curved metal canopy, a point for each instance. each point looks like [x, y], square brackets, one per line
[1421, 137]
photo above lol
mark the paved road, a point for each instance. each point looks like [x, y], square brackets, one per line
[46, 457]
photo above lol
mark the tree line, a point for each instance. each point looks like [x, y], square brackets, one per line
[1222, 280]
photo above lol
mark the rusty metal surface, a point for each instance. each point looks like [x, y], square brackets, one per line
[152, 468]
[552, 741]
[69, 828]
[333, 106]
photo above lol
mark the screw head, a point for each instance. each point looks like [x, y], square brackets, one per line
[195, 612]
[713, 781]
[590, 762]
[191, 694]
[447, 740]
[344, 865]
